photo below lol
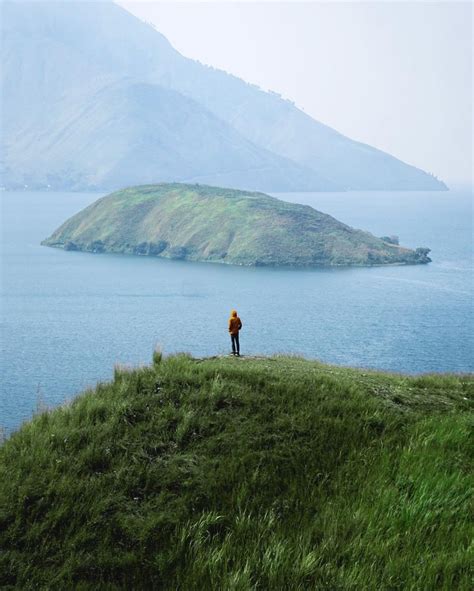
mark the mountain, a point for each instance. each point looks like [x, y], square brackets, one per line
[130, 132]
[278, 125]
[76, 122]
[93, 98]
[240, 473]
[202, 223]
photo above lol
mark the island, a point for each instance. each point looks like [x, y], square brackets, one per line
[214, 224]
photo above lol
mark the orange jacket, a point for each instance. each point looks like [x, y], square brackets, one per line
[235, 324]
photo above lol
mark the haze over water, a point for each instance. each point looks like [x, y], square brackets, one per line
[68, 317]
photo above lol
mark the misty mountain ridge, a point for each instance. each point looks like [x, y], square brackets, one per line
[95, 99]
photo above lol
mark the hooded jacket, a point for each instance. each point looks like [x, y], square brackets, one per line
[235, 324]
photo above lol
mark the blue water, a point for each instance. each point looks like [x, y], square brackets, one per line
[68, 317]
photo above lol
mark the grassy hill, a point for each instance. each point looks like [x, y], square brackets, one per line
[274, 473]
[203, 223]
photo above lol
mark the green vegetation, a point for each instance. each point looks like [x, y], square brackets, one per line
[273, 474]
[202, 223]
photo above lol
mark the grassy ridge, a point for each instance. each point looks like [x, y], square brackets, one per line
[203, 223]
[275, 473]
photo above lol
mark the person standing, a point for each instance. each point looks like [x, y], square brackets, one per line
[235, 324]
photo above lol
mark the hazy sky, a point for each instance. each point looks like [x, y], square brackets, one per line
[397, 75]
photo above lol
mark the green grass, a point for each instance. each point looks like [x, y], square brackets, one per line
[213, 224]
[237, 474]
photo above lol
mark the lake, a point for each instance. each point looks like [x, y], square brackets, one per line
[68, 317]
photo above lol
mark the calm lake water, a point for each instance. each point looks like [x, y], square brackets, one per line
[68, 317]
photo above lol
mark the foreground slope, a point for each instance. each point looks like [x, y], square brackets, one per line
[272, 473]
[202, 223]
[82, 110]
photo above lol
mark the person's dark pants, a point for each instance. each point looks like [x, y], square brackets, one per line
[235, 343]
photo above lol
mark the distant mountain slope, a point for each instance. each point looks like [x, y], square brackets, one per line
[202, 223]
[94, 98]
[278, 125]
[81, 113]
[131, 132]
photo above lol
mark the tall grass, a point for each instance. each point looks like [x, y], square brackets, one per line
[242, 474]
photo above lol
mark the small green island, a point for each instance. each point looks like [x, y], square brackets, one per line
[212, 224]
